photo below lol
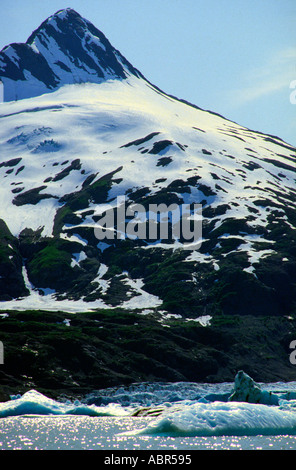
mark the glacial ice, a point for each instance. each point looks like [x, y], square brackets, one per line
[35, 403]
[248, 410]
[223, 419]
[183, 409]
[246, 390]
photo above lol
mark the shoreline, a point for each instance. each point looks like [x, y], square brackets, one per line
[71, 356]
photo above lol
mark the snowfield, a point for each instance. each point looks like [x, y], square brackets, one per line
[79, 128]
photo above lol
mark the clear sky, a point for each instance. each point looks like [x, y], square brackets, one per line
[234, 57]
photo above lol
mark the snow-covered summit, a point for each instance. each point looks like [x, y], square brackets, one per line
[67, 154]
[65, 49]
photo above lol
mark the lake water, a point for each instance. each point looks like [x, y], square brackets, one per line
[151, 417]
[105, 433]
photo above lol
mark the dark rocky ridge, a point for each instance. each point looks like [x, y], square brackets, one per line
[112, 348]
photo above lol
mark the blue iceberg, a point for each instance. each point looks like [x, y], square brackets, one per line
[35, 403]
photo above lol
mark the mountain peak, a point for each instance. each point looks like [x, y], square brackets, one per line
[65, 22]
[66, 13]
[64, 49]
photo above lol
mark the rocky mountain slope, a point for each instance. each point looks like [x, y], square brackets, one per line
[81, 127]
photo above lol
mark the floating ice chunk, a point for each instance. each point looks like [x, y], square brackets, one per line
[35, 403]
[223, 419]
[31, 402]
[246, 390]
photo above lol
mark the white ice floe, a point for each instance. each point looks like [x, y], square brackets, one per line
[35, 403]
[223, 419]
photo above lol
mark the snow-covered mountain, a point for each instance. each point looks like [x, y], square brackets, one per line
[65, 49]
[81, 126]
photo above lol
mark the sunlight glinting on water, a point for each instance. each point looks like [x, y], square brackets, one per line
[86, 433]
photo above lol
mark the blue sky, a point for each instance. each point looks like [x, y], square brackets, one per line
[234, 57]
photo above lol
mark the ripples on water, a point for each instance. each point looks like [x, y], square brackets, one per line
[85, 433]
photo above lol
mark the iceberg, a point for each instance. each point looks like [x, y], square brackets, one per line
[246, 390]
[179, 409]
[223, 419]
[35, 403]
[247, 410]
